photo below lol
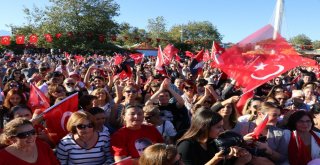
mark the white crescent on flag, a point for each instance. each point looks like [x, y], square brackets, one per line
[279, 70]
[63, 118]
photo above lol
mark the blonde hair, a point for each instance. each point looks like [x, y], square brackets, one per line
[77, 117]
[151, 109]
[11, 128]
[158, 154]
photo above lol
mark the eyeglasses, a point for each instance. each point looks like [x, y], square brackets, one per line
[148, 117]
[23, 135]
[84, 126]
[70, 83]
[130, 91]
[14, 85]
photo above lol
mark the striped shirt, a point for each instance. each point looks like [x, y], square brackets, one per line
[69, 152]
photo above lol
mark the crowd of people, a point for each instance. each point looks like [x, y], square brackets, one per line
[155, 118]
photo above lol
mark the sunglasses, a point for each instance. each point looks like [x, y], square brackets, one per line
[148, 117]
[14, 85]
[84, 126]
[188, 88]
[70, 84]
[23, 135]
[131, 91]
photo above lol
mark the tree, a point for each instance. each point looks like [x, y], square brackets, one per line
[157, 30]
[80, 22]
[300, 40]
[316, 44]
[199, 34]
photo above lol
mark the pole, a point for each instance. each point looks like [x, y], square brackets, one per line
[278, 18]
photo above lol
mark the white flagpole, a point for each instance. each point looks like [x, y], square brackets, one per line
[278, 18]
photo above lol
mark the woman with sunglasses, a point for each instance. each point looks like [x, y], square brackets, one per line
[271, 139]
[134, 137]
[160, 154]
[22, 146]
[55, 91]
[84, 144]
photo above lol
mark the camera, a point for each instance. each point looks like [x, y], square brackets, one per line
[229, 139]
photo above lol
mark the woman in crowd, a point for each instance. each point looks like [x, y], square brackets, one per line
[310, 97]
[134, 137]
[304, 144]
[84, 144]
[160, 154]
[189, 96]
[22, 146]
[103, 101]
[196, 146]
[273, 142]
[55, 91]
[229, 115]
[249, 111]
[12, 99]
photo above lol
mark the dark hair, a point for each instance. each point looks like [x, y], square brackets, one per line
[233, 119]
[86, 100]
[201, 123]
[295, 117]
[14, 109]
[95, 110]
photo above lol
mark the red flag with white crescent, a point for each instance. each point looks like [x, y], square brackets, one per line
[33, 39]
[5, 40]
[137, 57]
[259, 58]
[48, 37]
[20, 39]
[37, 99]
[57, 116]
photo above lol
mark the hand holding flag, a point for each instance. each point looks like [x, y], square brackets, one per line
[260, 127]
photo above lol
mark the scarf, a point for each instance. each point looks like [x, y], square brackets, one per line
[299, 154]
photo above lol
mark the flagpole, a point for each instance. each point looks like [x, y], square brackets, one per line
[55, 105]
[278, 18]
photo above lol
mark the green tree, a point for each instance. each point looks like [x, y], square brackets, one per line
[199, 34]
[316, 44]
[300, 40]
[85, 19]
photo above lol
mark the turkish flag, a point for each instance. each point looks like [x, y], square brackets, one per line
[260, 127]
[189, 54]
[216, 51]
[20, 39]
[33, 39]
[5, 40]
[117, 59]
[137, 57]
[124, 71]
[206, 56]
[37, 99]
[197, 63]
[243, 100]
[169, 52]
[57, 116]
[258, 59]
[48, 37]
[177, 57]
[58, 35]
[159, 61]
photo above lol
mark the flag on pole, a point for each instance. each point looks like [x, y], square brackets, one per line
[37, 99]
[260, 127]
[137, 57]
[57, 116]
[197, 63]
[259, 58]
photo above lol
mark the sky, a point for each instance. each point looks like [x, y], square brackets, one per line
[234, 19]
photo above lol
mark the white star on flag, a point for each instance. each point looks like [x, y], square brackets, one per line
[260, 66]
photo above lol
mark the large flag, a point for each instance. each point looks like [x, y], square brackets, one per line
[206, 56]
[57, 116]
[37, 99]
[118, 59]
[259, 58]
[197, 63]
